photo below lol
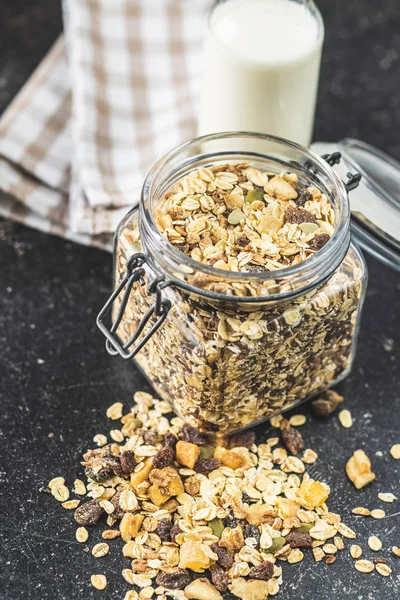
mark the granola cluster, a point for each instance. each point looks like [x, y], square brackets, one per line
[238, 218]
[186, 509]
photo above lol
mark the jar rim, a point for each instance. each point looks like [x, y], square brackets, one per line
[327, 258]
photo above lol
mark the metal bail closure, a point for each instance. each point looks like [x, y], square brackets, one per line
[160, 308]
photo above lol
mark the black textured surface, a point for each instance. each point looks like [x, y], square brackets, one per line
[57, 381]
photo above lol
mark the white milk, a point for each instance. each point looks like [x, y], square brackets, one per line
[261, 68]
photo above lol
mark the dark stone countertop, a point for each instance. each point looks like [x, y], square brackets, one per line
[57, 380]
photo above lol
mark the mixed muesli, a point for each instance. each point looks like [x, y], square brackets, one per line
[196, 519]
[222, 365]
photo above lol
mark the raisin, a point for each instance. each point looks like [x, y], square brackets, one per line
[114, 462]
[326, 404]
[98, 476]
[299, 539]
[303, 197]
[243, 241]
[164, 458]
[89, 513]
[163, 530]
[246, 439]
[292, 438]
[118, 511]
[150, 436]
[264, 571]
[190, 434]
[246, 498]
[170, 440]
[225, 559]
[299, 215]
[128, 462]
[219, 577]
[206, 465]
[174, 531]
[252, 531]
[319, 241]
[175, 580]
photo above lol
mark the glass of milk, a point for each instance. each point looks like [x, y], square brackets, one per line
[261, 68]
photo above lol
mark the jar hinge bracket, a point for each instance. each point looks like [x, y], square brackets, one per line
[159, 309]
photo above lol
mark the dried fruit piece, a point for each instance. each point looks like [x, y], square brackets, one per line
[249, 590]
[88, 513]
[244, 439]
[299, 539]
[257, 514]
[163, 530]
[291, 437]
[170, 440]
[230, 458]
[202, 589]
[196, 556]
[187, 453]
[193, 435]
[313, 492]
[175, 530]
[130, 525]
[319, 241]
[206, 465]
[225, 559]
[264, 571]
[326, 404]
[128, 462]
[299, 215]
[137, 477]
[174, 579]
[164, 458]
[345, 418]
[219, 577]
[358, 469]
[166, 483]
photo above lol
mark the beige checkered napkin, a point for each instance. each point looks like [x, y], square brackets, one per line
[133, 67]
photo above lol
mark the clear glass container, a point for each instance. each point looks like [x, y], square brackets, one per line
[230, 349]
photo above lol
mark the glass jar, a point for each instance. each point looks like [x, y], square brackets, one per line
[230, 349]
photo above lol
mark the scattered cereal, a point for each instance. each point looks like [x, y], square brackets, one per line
[345, 418]
[387, 497]
[364, 566]
[297, 420]
[374, 543]
[358, 469]
[396, 550]
[383, 569]
[116, 435]
[355, 551]
[377, 513]
[100, 440]
[71, 504]
[114, 411]
[359, 510]
[79, 487]
[100, 550]
[395, 451]
[56, 482]
[98, 581]
[81, 534]
[60, 493]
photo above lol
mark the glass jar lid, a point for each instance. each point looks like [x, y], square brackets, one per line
[375, 204]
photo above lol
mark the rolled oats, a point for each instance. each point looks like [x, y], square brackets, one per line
[100, 550]
[100, 439]
[383, 569]
[79, 487]
[374, 543]
[114, 411]
[358, 469]
[345, 419]
[297, 420]
[377, 513]
[364, 566]
[98, 581]
[81, 534]
[319, 554]
[395, 451]
[355, 551]
[387, 497]
[396, 550]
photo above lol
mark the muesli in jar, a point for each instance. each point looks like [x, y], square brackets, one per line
[253, 327]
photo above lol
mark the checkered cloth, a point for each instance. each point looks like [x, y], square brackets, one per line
[110, 98]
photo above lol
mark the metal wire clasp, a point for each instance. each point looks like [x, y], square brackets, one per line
[353, 178]
[160, 308]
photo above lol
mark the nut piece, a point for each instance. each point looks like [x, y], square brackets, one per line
[374, 543]
[166, 483]
[254, 589]
[358, 469]
[260, 513]
[395, 451]
[232, 539]
[355, 551]
[364, 566]
[345, 418]
[202, 589]
[187, 453]
[98, 581]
